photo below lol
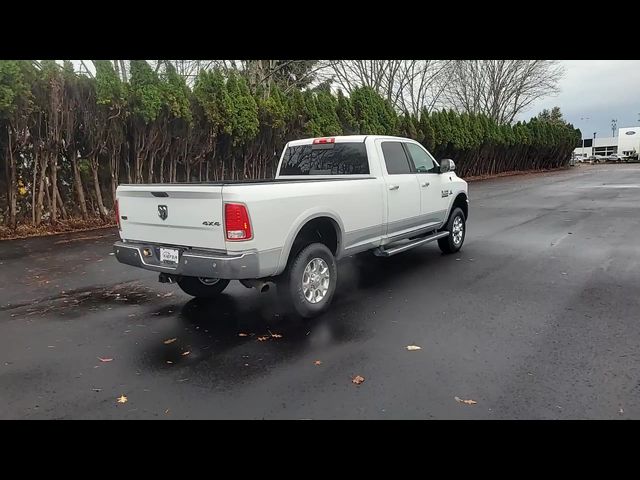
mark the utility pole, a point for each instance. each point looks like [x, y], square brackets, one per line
[593, 149]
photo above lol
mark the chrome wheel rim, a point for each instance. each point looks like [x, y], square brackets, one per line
[315, 280]
[457, 230]
[208, 281]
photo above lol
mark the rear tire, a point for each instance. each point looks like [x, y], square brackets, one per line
[457, 228]
[202, 287]
[307, 285]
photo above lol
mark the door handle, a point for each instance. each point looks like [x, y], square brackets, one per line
[394, 187]
[425, 184]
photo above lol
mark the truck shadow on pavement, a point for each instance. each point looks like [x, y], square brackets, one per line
[233, 338]
[243, 336]
[373, 274]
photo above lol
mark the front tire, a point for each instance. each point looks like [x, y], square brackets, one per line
[202, 287]
[309, 282]
[457, 228]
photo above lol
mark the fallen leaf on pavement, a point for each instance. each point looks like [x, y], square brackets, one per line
[122, 399]
[264, 338]
[621, 411]
[467, 402]
[274, 335]
[413, 347]
[170, 340]
[186, 353]
[105, 359]
[167, 294]
[243, 334]
[357, 379]
[317, 362]
[166, 411]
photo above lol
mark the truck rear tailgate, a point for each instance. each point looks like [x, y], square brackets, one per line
[184, 215]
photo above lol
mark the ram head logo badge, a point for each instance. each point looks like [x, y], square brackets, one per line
[163, 211]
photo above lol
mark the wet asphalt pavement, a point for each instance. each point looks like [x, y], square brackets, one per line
[537, 317]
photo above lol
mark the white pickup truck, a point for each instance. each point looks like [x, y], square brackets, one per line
[331, 198]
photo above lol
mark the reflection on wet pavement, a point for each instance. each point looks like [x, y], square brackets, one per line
[74, 303]
[235, 340]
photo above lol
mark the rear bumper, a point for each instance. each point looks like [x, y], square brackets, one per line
[191, 263]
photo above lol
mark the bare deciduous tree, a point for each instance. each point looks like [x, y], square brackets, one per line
[410, 85]
[500, 89]
[260, 74]
[188, 69]
[421, 86]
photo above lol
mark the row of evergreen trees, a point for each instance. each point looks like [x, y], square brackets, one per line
[67, 140]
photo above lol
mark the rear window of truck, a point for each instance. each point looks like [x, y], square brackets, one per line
[326, 159]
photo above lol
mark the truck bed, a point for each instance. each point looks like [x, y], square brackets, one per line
[192, 214]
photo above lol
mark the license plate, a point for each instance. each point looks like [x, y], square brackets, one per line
[169, 255]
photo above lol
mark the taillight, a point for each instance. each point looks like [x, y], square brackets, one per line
[317, 141]
[236, 222]
[117, 207]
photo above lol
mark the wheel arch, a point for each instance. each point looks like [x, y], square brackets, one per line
[309, 220]
[461, 200]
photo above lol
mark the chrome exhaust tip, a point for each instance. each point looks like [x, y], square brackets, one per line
[261, 285]
[166, 278]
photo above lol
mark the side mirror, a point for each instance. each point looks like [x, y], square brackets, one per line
[447, 165]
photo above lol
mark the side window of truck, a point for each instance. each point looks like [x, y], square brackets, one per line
[395, 158]
[423, 162]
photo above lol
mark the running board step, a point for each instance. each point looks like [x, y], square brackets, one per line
[381, 252]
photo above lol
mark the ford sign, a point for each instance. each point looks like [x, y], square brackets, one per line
[630, 132]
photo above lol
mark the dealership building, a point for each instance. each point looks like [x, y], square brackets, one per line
[627, 143]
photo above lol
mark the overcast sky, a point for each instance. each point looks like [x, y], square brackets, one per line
[600, 90]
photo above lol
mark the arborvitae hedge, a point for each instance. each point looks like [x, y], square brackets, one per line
[66, 141]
